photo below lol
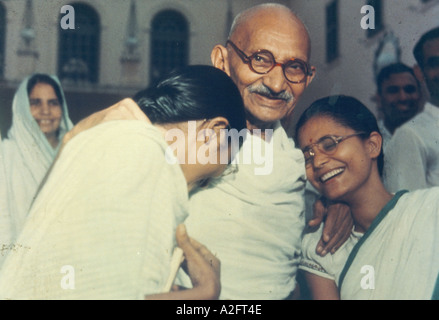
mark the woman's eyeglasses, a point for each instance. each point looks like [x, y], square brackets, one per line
[326, 144]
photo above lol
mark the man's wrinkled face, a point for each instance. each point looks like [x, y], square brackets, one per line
[268, 97]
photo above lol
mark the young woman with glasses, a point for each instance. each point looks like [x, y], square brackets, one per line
[393, 249]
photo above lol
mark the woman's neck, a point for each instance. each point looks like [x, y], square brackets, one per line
[53, 140]
[367, 204]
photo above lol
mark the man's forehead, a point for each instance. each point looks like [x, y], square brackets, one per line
[397, 78]
[431, 47]
[282, 43]
[271, 29]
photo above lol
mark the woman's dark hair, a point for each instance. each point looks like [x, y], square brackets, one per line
[348, 112]
[44, 78]
[193, 93]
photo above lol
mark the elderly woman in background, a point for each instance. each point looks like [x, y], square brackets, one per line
[39, 121]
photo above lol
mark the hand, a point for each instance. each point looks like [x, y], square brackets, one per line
[125, 109]
[203, 269]
[201, 265]
[337, 228]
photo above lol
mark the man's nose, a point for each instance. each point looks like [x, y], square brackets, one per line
[402, 95]
[275, 79]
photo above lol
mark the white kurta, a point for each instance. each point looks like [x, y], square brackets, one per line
[26, 157]
[254, 222]
[412, 155]
[385, 133]
[104, 221]
[397, 258]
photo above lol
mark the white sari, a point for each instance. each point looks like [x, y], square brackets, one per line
[397, 258]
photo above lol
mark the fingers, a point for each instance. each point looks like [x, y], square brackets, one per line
[207, 255]
[202, 266]
[319, 212]
[193, 249]
[337, 229]
[325, 247]
[182, 236]
[342, 234]
[331, 223]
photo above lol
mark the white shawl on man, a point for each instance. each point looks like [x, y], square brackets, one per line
[26, 157]
[103, 225]
[253, 220]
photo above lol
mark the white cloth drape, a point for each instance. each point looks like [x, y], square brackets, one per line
[104, 220]
[253, 220]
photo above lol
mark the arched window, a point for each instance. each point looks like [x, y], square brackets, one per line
[2, 39]
[169, 43]
[78, 53]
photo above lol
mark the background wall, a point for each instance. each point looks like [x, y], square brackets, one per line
[208, 21]
[352, 72]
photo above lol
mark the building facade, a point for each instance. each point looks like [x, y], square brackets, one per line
[112, 48]
[104, 50]
[345, 54]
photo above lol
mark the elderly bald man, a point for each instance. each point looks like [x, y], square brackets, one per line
[254, 222]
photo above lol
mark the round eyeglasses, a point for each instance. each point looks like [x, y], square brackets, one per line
[262, 62]
[326, 144]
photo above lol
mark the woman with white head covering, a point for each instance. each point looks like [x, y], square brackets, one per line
[39, 121]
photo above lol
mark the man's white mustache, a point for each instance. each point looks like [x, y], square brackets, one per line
[263, 90]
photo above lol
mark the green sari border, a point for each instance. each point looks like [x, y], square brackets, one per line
[381, 215]
[435, 295]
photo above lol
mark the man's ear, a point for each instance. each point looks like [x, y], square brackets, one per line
[311, 77]
[418, 73]
[215, 126]
[375, 142]
[220, 58]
